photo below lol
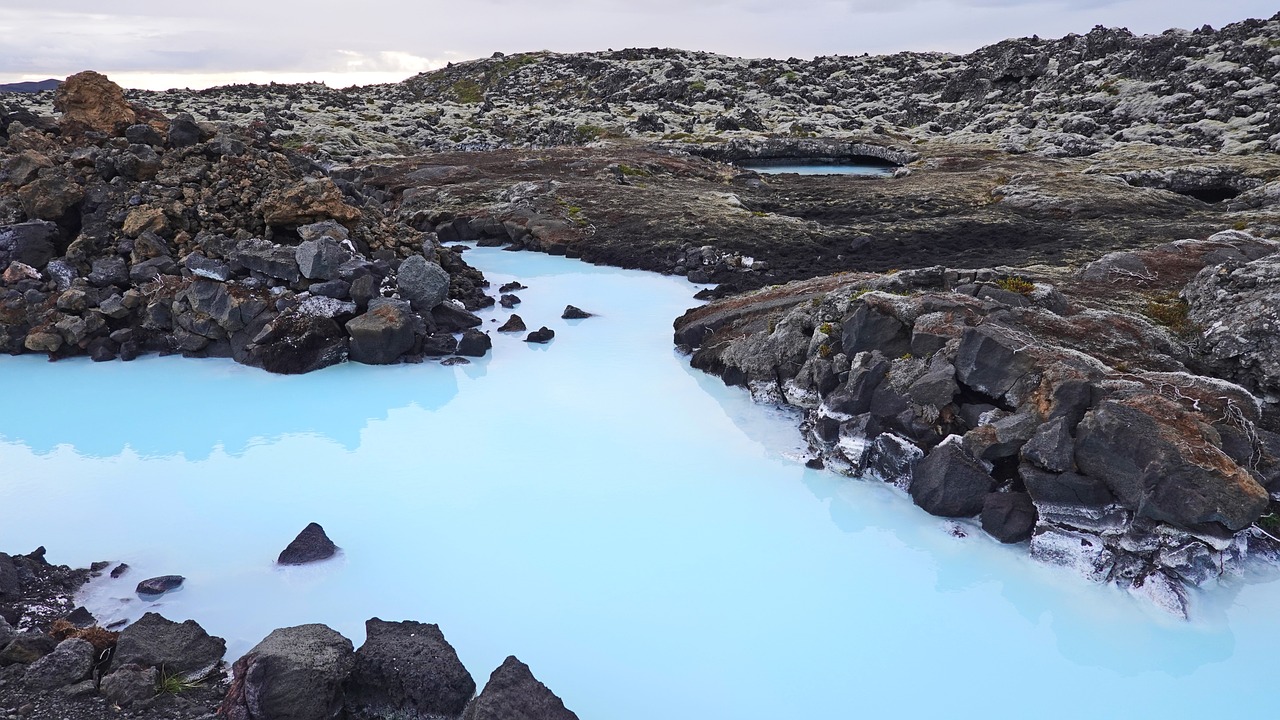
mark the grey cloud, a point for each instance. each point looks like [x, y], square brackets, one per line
[399, 35]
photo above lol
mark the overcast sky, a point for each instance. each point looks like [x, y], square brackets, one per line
[162, 43]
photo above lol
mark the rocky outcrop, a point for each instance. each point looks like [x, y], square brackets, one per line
[1237, 304]
[1062, 412]
[210, 241]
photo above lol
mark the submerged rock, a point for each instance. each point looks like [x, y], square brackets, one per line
[574, 313]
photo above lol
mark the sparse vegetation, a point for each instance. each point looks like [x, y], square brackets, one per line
[1016, 284]
[468, 91]
[1170, 311]
[173, 684]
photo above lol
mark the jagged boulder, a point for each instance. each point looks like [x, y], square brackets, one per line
[950, 482]
[90, 101]
[1237, 307]
[424, 284]
[68, 663]
[295, 673]
[1009, 517]
[311, 545]
[177, 648]
[384, 333]
[295, 343]
[408, 669]
[513, 693]
[1161, 463]
[30, 243]
[307, 201]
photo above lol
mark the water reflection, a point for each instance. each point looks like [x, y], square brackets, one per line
[156, 409]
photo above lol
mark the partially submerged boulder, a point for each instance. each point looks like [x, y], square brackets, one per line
[311, 545]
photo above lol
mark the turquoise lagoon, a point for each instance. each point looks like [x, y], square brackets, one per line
[648, 540]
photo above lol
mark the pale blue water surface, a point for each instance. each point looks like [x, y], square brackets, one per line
[769, 168]
[645, 538]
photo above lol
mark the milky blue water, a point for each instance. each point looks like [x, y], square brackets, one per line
[645, 538]
[801, 168]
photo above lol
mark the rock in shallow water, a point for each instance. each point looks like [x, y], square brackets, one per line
[541, 335]
[160, 585]
[311, 545]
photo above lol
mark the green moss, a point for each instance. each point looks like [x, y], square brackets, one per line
[587, 133]
[467, 91]
[1171, 312]
[630, 171]
[1016, 284]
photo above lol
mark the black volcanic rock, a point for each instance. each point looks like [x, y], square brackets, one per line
[513, 693]
[541, 335]
[311, 545]
[409, 669]
[160, 585]
[574, 313]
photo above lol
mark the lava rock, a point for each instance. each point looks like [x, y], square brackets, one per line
[1169, 470]
[448, 317]
[409, 669]
[321, 259]
[27, 648]
[541, 335]
[514, 693]
[311, 545]
[130, 684]
[515, 323]
[870, 329]
[474, 343]
[1051, 448]
[1009, 517]
[384, 333]
[30, 243]
[574, 313]
[294, 343]
[177, 648]
[160, 585]
[295, 673]
[990, 360]
[70, 662]
[950, 482]
[424, 284]
[508, 301]
[437, 344]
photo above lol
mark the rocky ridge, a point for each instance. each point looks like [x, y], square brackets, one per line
[1041, 402]
[1203, 88]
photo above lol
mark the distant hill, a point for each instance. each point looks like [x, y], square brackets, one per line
[30, 87]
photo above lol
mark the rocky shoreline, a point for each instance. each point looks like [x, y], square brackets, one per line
[1094, 385]
[57, 662]
[1091, 422]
